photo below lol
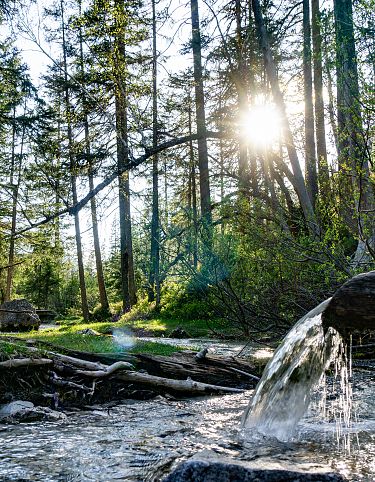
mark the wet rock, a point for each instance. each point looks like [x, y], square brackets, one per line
[206, 471]
[18, 315]
[352, 307]
[23, 411]
[178, 333]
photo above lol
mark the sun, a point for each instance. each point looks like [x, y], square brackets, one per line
[261, 126]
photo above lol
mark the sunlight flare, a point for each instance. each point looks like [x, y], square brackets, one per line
[261, 125]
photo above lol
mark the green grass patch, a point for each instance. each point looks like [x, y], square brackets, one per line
[67, 337]
[155, 348]
[160, 326]
[12, 350]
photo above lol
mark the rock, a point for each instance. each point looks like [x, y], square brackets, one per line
[89, 331]
[18, 315]
[178, 333]
[23, 411]
[352, 307]
[207, 471]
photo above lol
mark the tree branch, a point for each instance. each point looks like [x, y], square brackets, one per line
[72, 210]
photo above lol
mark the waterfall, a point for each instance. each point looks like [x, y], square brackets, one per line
[283, 394]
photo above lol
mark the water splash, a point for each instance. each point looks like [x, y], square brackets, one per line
[283, 394]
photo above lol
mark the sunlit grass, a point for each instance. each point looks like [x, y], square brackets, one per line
[68, 337]
[66, 334]
[156, 326]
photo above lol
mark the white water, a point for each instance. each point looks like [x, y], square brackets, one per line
[283, 394]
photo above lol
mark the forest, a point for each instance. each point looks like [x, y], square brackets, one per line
[180, 183]
[211, 161]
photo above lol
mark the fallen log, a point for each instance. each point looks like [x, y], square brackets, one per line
[231, 372]
[25, 362]
[170, 374]
[186, 386]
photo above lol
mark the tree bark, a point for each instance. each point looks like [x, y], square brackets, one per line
[193, 210]
[126, 245]
[95, 231]
[242, 99]
[154, 278]
[15, 189]
[321, 146]
[310, 151]
[204, 181]
[353, 152]
[73, 177]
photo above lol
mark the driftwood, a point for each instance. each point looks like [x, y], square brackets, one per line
[352, 307]
[25, 362]
[106, 371]
[54, 379]
[215, 370]
[187, 386]
[170, 374]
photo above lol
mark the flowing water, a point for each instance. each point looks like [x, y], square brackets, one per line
[142, 441]
[283, 394]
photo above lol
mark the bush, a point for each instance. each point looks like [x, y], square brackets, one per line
[100, 314]
[184, 303]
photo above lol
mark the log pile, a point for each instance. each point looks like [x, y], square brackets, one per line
[93, 380]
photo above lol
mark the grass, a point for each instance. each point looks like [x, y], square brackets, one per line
[66, 336]
[14, 350]
[129, 326]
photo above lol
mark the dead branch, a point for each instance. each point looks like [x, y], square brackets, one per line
[25, 362]
[106, 371]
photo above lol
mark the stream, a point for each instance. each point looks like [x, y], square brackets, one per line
[143, 440]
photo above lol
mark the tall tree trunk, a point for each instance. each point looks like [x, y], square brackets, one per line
[154, 279]
[321, 146]
[126, 243]
[204, 181]
[353, 153]
[73, 175]
[242, 98]
[296, 178]
[95, 231]
[193, 188]
[14, 181]
[310, 151]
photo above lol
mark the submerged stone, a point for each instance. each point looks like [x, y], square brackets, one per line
[204, 471]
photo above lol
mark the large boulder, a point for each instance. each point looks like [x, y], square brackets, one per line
[352, 307]
[18, 315]
[211, 471]
[23, 411]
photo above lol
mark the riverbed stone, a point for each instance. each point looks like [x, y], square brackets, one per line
[178, 332]
[18, 315]
[208, 471]
[24, 411]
